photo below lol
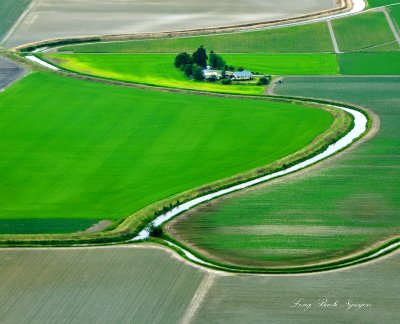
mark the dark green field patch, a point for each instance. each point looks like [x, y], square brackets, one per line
[380, 3]
[357, 63]
[44, 226]
[394, 12]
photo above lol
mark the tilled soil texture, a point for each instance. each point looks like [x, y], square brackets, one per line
[9, 72]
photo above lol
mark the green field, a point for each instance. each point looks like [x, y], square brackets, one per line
[10, 11]
[395, 14]
[289, 64]
[84, 150]
[364, 32]
[298, 39]
[152, 69]
[379, 3]
[105, 285]
[383, 63]
[334, 210]
[158, 69]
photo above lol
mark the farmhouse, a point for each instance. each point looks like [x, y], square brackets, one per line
[242, 75]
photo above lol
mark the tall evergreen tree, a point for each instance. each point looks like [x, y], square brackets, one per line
[200, 57]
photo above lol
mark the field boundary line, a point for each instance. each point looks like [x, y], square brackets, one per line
[333, 37]
[18, 22]
[391, 25]
[198, 298]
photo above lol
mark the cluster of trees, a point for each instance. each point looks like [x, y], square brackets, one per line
[193, 65]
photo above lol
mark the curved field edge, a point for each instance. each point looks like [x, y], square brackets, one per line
[134, 223]
[342, 7]
[376, 251]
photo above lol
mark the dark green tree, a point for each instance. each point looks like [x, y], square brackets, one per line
[264, 80]
[216, 61]
[189, 70]
[183, 59]
[198, 74]
[155, 231]
[200, 57]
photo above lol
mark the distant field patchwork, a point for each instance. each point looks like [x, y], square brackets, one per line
[298, 39]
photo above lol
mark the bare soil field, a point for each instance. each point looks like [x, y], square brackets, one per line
[63, 18]
[151, 285]
[9, 72]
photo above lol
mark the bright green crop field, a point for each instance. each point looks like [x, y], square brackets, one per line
[158, 69]
[299, 39]
[78, 150]
[364, 31]
[343, 206]
[152, 69]
[10, 11]
[382, 63]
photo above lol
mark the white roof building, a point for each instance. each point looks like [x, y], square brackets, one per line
[242, 75]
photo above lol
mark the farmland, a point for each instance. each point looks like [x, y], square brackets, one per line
[354, 198]
[148, 285]
[153, 69]
[372, 30]
[395, 14]
[369, 63]
[158, 69]
[244, 299]
[289, 64]
[299, 39]
[94, 17]
[121, 285]
[10, 11]
[89, 161]
[379, 3]
[9, 72]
